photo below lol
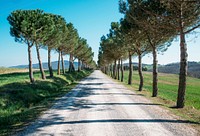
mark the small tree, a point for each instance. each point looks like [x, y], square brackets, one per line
[53, 37]
[80, 50]
[46, 22]
[72, 42]
[62, 45]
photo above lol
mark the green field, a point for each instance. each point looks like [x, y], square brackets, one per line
[21, 102]
[168, 86]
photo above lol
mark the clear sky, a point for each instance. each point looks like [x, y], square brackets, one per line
[92, 18]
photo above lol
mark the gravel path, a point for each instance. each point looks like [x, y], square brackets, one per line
[98, 106]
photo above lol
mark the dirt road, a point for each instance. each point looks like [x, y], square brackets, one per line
[98, 106]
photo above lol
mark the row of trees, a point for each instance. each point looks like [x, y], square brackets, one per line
[149, 26]
[51, 32]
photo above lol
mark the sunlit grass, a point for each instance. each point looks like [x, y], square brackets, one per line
[168, 86]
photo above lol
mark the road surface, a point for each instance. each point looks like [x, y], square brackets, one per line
[99, 106]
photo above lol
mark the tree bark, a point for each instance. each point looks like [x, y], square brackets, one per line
[105, 68]
[183, 71]
[118, 69]
[122, 71]
[79, 65]
[58, 70]
[130, 69]
[115, 70]
[140, 72]
[71, 64]
[63, 63]
[155, 73]
[30, 65]
[111, 70]
[40, 62]
[49, 63]
[83, 65]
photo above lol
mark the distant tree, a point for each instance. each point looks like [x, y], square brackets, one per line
[128, 31]
[64, 40]
[120, 46]
[80, 50]
[53, 37]
[46, 22]
[139, 46]
[71, 44]
[62, 46]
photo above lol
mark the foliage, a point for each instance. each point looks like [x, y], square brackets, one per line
[34, 27]
[150, 26]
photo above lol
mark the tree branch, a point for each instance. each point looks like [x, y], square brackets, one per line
[190, 30]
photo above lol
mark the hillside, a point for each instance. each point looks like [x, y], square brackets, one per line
[193, 69]
[45, 65]
[135, 66]
[172, 68]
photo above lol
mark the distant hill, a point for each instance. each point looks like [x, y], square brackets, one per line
[136, 64]
[193, 69]
[172, 68]
[45, 65]
[145, 67]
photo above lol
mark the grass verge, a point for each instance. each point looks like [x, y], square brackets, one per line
[22, 102]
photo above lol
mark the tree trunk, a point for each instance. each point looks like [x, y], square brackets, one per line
[122, 71]
[79, 65]
[49, 63]
[63, 63]
[155, 73]
[111, 70]
[118, 69]
[130, 69]
[105, 68]
[115, 70]
[40, 62]
[82, 65]
[140, 72]
[71, 64]
[183, 71]
[58, 72]
[30, 65]
[73, 68]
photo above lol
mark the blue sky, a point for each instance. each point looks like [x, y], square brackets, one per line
[92, 18]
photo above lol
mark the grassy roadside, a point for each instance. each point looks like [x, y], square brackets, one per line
[22, 102]
[167, 93]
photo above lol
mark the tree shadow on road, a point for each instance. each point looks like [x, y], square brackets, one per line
[123, 104]
[127, 121]
[131, 94]
[96, 84]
